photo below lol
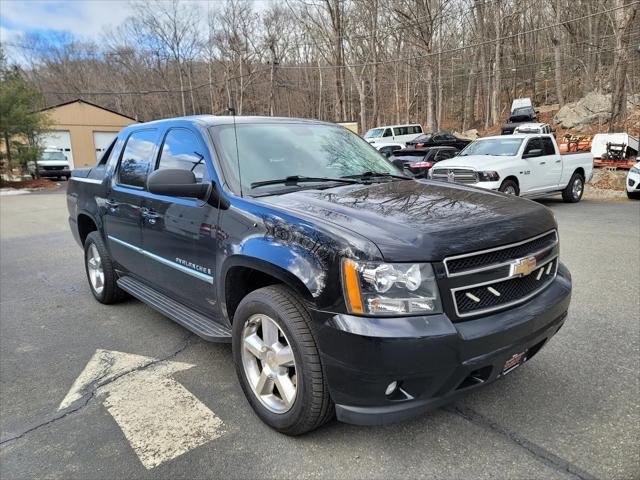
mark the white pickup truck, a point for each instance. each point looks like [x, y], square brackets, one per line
[519, 164]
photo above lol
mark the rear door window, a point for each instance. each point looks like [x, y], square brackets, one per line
[182, 150]
[137, 159]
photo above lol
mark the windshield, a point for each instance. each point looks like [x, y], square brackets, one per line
[374, 133]
[53, 156]
[493, 146]
[272, 151]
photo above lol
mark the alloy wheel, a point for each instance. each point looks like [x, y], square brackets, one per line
[94, 267]
[577, 187]
[269, 364]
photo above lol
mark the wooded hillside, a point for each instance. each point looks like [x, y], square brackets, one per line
[453, 64]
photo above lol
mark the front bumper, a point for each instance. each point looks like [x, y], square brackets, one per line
[65, 172]
[633, 182]
[433, 360]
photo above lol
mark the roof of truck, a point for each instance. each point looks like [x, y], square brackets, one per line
[515, 135]
[531, 125]
[212, 120]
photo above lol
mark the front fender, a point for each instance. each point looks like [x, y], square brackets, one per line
[301, 253]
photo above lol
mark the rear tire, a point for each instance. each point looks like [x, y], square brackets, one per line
[100, 271]
[510, 188]
[304, 403]
[574, 190]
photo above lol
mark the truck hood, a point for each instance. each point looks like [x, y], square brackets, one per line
[476, 162]
[421, 220]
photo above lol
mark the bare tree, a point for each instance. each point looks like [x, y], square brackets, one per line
[623, 20]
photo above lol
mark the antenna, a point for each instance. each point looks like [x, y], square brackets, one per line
[232, 111]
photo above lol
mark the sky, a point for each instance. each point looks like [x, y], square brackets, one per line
[85, 19]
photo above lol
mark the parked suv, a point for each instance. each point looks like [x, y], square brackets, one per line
[418, 161]
[344, 287]
[440, 139]
[519, 116]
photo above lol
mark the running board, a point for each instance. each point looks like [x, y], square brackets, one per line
[176, 311]
[548, 193]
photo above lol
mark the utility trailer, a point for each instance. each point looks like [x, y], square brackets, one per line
[614, 150]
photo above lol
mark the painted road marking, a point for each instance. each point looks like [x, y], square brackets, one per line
[159, 417]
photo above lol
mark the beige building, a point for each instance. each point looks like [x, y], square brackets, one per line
[82, 130]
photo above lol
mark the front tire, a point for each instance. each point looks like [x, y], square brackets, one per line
[277, 361]
[100, 271]
[633, 195]
[572, 193]
[510, 188]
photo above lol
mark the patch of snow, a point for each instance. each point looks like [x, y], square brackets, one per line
[13, 191]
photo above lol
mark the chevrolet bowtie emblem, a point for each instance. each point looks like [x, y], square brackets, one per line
[522, 267]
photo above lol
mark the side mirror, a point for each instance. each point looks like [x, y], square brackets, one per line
[536, 152]
[176, 183]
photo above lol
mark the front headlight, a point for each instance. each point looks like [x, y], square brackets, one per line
[374, 288]
[489, 176]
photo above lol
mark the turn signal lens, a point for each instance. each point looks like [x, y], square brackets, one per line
[351, 286]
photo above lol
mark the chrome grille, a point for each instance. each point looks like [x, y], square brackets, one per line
[502, 277]
[495, 257]
[457, 175]
[486, 297]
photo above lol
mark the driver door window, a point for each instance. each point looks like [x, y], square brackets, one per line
[181, 150]
[534, 144]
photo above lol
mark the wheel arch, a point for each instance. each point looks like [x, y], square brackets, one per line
[513, 178]
[579, 170]
[86, 225]
[241, 275]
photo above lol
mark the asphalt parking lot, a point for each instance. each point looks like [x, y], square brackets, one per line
[572, 412]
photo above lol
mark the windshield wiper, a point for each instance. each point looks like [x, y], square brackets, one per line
[369, 175]
[295, 179]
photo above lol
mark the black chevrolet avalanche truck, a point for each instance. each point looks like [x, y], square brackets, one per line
[345, 288]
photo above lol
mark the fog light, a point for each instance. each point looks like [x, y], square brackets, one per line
[391, 388]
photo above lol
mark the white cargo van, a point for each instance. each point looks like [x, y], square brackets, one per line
[393, 133]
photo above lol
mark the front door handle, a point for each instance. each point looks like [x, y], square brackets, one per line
[150, 215]
[543, 163]
[558, 161]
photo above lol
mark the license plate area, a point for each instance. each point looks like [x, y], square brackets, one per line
[514, 362]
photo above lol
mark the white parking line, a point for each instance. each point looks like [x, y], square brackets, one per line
[159, 417]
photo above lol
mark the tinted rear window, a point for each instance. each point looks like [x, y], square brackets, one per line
[137, 158]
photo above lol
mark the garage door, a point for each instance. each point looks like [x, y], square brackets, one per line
[60, 140]
[102, 140]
